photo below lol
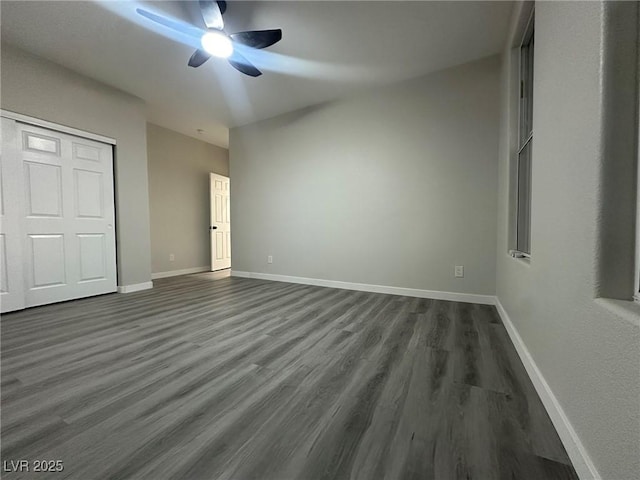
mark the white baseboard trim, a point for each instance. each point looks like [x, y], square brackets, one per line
[365, 287]
[184, 271]
[585, 468]
[136, 287]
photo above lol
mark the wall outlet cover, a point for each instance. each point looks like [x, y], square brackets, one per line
[459, 271]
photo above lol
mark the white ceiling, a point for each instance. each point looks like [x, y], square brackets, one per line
[329, 49]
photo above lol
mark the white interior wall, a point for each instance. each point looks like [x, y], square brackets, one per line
[179, 168]
[586, 348]
[394, 187]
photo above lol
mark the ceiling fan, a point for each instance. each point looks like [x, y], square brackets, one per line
[216, 42]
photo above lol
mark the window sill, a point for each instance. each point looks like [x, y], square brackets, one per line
[626, 309]
[525, 260]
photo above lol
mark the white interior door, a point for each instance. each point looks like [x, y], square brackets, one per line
[220, 226]
[66, 224]
[11, 213]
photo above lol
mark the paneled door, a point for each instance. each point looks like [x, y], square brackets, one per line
[67, 221]
[220, 223]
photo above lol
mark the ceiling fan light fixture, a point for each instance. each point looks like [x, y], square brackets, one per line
[217, 44]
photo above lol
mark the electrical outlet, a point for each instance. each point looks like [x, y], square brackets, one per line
[269, 259]
[459, 271]
[172, 257]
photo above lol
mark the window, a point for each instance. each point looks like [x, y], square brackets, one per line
[636, 295]
[525, 140]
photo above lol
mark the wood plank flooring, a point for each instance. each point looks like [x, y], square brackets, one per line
[233, 378]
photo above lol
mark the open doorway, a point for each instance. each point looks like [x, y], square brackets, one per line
[220, 222]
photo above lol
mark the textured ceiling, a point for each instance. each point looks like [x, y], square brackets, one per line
[329, 49]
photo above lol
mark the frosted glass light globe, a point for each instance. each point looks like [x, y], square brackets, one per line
[217, 44]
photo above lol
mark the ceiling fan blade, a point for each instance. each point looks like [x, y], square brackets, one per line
[211, 14]
[223, 6]
[198, 58]
[240, 63]
[172, 24]
[257, 38]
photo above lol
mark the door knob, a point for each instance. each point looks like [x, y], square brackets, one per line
[213, 227]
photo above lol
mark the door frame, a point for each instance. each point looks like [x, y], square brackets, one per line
[38, 122]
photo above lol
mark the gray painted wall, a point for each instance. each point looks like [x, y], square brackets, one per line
[38, 88]
[179, 168]
[587, 349]
[394, 187]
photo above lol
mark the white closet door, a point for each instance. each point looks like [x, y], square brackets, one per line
[67, 224]
[11, 212]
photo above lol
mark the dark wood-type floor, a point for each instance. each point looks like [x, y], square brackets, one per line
[246, 379]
